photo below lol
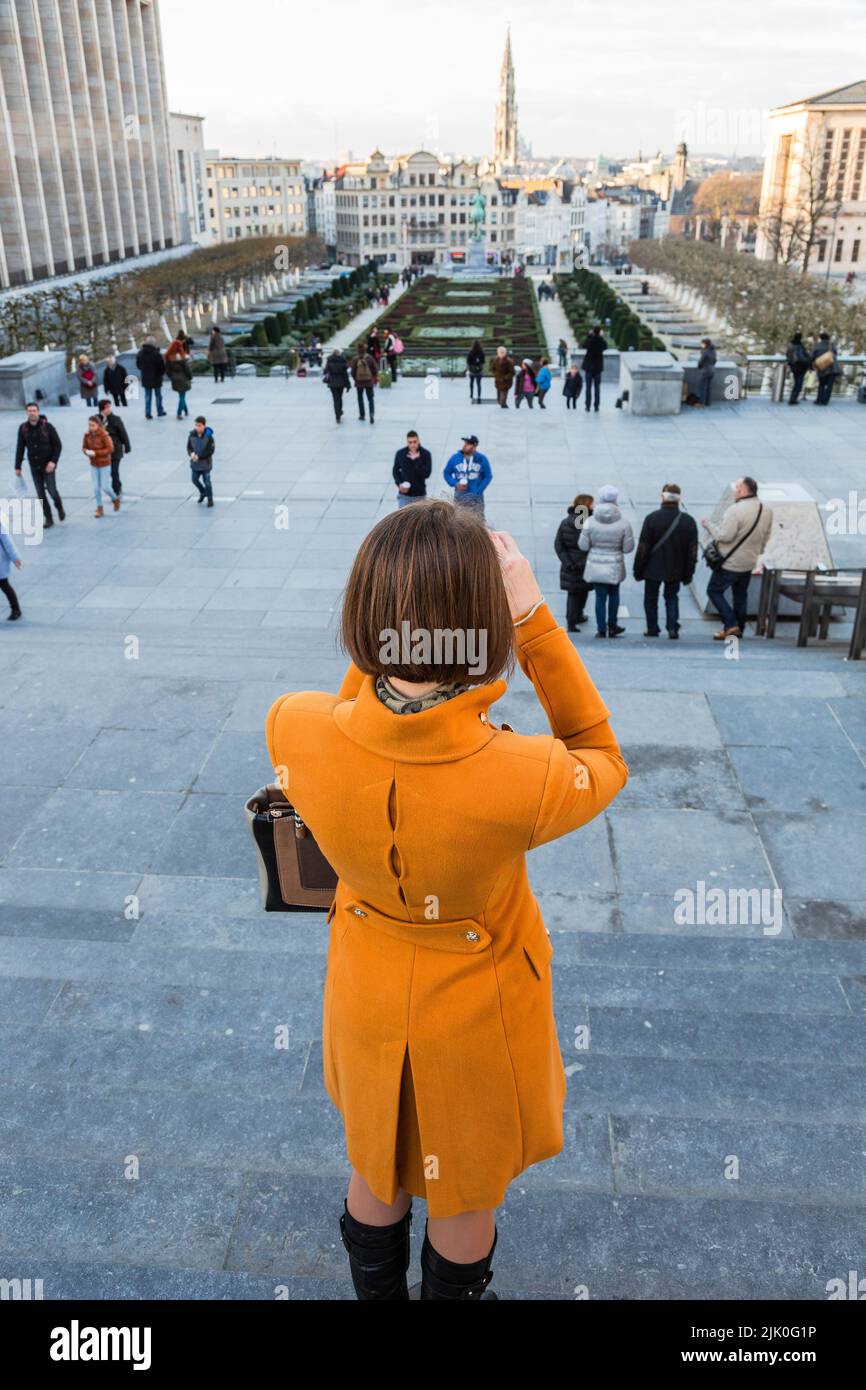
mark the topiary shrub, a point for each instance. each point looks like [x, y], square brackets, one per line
[284, 322]
[259, 336]
[272, 330]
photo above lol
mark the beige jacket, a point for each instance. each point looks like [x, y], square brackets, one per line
[735, 523]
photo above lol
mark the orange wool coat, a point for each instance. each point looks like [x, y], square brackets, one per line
[440, 1047]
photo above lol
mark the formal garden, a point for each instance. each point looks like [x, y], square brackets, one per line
[439, 319]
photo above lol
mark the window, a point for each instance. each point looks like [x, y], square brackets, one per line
[837, 254]
[412, 179]
[857, 179]
[855, 250]
[822, 250]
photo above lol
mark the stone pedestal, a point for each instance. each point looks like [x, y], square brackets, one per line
[476, 258]
[727, 380]
[653, 381]
[25, 373]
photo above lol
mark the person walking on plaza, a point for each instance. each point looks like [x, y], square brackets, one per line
[179, 368]
[594, 348]
[542, 381]
[374, 346]
[799, 360]
[572, 387]
[390, 350]
[475, 367]
[217, 354]
[87, 384]
[524, 383]
[667, 553]
[114, 380]
[562, 351]
[365, 374]
[39, 440]
[151, 368]
[741, 540]
[412, 468]
[98, 450]
[336, 378]
[824, 362]
[440, 1042]
[573, 560]
[502, 371]
[200, 447]
[706, 371]
[120, 445]
[8, 557]
[469, 473]
[608, 539]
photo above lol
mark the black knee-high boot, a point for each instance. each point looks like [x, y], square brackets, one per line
[441, 1278]
[378, 1255]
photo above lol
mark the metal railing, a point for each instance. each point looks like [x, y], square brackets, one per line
[768, 375]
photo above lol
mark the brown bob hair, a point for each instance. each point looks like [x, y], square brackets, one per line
[428, 569]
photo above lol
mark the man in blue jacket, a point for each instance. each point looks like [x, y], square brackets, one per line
[469, 473]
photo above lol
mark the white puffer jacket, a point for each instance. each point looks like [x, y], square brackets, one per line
[607, 538]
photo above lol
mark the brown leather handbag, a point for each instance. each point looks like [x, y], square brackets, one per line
[294, 875]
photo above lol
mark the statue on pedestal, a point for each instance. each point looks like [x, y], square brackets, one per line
[477, 214]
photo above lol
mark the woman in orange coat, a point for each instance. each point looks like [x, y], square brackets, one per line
[440, 1047]
[98, 448]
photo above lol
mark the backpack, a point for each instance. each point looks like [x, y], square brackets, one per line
[363, 374]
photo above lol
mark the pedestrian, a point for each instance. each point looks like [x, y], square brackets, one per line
[365, 374]
[469, 473]
[374, 346]
[740, 541]
[8, 557]
[543, 380]
[440, 1045]
[667, 553]
[39, 440]
[799, 360]
[608, 539]
[114, 380]
[152, 369]
[824, 362]
[87, 385]
[179, 368]
[562, 350]
[412, 467]
[200, 447]
[524, 383]
[475, 367]
[217, 354]
[502, 371]
[572, 387]
[97, 448]
[336, 378]
[120, 445]
[573, 560]
[706, 371]
[594, 348]
[389, 347]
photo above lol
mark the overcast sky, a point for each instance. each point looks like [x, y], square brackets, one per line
[295, 78]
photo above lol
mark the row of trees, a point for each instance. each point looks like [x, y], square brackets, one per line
[759, 303]
[183, 292]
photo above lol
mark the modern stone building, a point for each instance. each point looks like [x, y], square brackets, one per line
[86, 176]
[254, 197]
[813, 199]
[187, 148]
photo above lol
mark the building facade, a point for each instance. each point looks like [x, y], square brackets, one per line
[187, 148]
[85, 166]
[322, 209]
[254, 197]
[813, 197]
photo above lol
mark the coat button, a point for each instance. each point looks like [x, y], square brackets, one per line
[358, 912]
[472, 936]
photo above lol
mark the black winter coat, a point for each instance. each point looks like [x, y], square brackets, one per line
[151, 366]
[413, 471]
[675, 560]
[572, 559]
[40, 442]
[594, 346]
[475, 360]
[116, 429]
[114, 379]
[336, 372]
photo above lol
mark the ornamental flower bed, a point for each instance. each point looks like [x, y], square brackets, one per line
[439, 321]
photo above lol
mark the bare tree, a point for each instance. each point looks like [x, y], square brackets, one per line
[792, 224]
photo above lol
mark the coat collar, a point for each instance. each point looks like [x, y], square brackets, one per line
[454, 729]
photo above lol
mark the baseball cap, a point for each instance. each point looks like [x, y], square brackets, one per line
[470, 439]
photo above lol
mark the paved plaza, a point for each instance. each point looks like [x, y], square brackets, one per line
[154, 1142]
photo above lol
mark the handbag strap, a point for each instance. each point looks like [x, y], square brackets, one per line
[669, 532]
[747, 535]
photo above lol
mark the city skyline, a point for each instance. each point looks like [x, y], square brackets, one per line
[583, 86]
